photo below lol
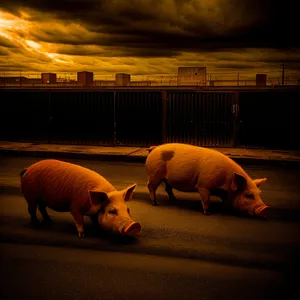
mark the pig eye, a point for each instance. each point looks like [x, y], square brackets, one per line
[249, 196]
[112, 211]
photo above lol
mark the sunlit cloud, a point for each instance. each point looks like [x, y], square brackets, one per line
[33, 44]
[17, 29]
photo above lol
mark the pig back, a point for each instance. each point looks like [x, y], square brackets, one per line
[186, 166]
[60, 184]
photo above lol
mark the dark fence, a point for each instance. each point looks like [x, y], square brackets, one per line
[138, 117]
[254, 118]
[81, 118]
[24, 116]
[269, 119]
[201, 118]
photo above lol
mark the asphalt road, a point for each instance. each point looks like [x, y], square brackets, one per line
[180, 253]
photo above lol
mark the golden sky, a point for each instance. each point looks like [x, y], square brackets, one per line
[149, 37]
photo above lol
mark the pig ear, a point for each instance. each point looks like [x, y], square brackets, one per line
[238, 182]
[259, 181]
[127, 193]
[97, 197]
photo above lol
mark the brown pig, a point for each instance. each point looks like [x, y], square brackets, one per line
[66, 187]
[189, 168]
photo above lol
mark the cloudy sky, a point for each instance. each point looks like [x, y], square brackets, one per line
[149, 37]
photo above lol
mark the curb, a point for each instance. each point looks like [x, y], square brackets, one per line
[139, 158]
[84, 156]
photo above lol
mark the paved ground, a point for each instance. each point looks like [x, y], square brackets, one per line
[39, 272]
[249, 156]
[180, 253]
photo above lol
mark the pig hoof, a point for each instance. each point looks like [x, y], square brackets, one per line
[81, 235]
[154, 202]
[206, 213]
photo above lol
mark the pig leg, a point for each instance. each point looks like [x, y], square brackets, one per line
[204, 195]
[169, 191]
[152, 189]
[78, 219]
[42, 208]
[32, 207]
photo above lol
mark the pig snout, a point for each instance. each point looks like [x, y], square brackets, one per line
[261, 211]
[131, 229]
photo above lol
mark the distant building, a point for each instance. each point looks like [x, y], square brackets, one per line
[33, 81]
[13, 80]
[191, 76]
[48, 78]
[261, 79]
[85, 78]
[122, 79]
[141, 83]
[104, 82]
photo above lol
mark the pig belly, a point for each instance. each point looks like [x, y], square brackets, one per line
[181, 184]
[57, 204]
[54, 197]
[182, 178]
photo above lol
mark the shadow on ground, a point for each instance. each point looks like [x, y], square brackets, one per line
[283, 214]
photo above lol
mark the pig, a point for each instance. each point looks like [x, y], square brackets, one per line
[189, 168]
[67, 187]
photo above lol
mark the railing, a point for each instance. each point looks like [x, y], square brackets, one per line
[229, 79]
[247, 118]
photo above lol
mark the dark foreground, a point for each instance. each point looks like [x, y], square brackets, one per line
[180, 254]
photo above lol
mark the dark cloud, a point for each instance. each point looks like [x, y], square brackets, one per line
[82, 51]
[293, 67]
[63, 36]
[150, 36]
[6, 42]
[260, 55]
[13, 67]
[112, 51]
[148, 53]
[191, 25]
[235, 66]
[63, 6]
[3, 51]
[284, 58]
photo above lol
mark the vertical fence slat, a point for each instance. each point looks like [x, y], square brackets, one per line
[195, 118]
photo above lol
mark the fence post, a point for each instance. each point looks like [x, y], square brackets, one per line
[49, 119]
[236, 120]
[115, 122]
[164, 116]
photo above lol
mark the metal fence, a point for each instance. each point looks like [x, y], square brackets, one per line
[201, 118]
[138, 118]
[81, 117]
[269, 119]
[265, 119]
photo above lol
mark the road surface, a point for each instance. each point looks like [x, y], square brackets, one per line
[180, 253]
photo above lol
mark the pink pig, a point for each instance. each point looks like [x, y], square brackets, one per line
[190, 168]
[66, 187]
